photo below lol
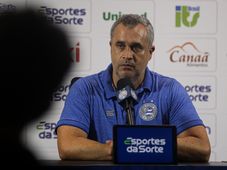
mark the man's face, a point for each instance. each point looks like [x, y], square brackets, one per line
[130, 53]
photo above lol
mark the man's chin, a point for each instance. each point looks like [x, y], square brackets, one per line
[127, 75]
[124, 73]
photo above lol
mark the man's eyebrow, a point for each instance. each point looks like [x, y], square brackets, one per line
[120, 42]
[136, 44]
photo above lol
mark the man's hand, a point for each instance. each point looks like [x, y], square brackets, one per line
[110, 148]
[193, 145]
[74, 145]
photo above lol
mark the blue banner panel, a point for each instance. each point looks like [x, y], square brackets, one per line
[144, 144]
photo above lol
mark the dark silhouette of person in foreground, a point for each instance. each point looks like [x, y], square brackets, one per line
[34, 59]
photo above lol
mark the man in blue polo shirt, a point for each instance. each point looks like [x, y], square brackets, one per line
[91, 109]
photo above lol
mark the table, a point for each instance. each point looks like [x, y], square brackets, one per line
[109, 165]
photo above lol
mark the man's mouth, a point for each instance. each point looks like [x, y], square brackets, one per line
[127, 66]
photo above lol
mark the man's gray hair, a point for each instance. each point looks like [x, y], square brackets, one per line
[130, 21]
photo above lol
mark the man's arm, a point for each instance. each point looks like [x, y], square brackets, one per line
[193, 145]
[74, 145]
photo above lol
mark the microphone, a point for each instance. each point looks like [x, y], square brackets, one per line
[127, 97]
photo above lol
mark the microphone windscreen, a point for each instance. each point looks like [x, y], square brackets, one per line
[123, 83]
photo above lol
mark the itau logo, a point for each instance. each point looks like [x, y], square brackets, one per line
[187, 15]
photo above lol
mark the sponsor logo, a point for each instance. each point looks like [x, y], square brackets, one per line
[7, 8]
[151, 145]
[74, 53]
[187, 15]
[108, 16]
[46, 130]
[199, 93]
[188, 54]
[201, 90]
[79, 53]
[64, 16]
[60, 93]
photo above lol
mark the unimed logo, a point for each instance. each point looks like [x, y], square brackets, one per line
[64, 16]
[151, 145]
[46, 130]
[188, 54]
[110, 16]
[187, 15]
[60, 93]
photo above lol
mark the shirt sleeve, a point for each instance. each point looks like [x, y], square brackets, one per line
[182, 111]
[76, 108]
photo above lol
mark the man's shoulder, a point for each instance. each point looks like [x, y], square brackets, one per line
[160, 78]
[160, 81]
[90, 80]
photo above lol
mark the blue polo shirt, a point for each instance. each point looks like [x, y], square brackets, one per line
[92, 105]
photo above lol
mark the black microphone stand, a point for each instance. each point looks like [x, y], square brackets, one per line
[129, 112]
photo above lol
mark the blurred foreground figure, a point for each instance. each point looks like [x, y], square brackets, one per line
[33, 62]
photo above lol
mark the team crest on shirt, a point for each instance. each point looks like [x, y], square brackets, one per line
[148, 111]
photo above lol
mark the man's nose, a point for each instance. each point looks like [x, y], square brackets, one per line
[128, 53]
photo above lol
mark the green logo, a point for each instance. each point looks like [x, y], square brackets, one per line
[185, 17]
[110, 16]
[128, 141]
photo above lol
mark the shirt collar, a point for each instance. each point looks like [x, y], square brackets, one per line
[107, 82]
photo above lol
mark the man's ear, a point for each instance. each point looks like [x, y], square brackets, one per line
[110, 43]
[152, 49]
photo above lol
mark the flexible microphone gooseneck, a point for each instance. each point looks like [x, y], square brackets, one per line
[126, 96]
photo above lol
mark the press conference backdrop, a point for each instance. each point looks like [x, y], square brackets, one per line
[190, 40]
